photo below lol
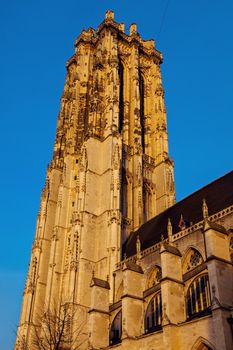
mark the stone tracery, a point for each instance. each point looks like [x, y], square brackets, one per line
[192, 259]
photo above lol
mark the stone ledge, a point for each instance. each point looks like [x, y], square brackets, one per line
[165, 247]
[214, 226]
[130, 265]
[99, 283]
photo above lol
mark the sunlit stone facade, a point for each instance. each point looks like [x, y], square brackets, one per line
[135, 270]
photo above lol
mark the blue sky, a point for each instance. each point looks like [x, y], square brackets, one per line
[36, 41]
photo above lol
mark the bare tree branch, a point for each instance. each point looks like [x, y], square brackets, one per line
[60, 329]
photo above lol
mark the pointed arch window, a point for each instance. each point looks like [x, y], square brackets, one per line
[154, 277]
[147, 201]
[116, 329]
[124, 193]
[142, 109]
[121, 95]
[192, 260]
[204, 347]
[198, 298]
[201, 344]
[153, 317]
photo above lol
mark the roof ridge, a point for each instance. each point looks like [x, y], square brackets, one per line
[189, 196]
[200, 189]
[219, 195]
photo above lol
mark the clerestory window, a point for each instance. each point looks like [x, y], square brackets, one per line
[198, 298]
[116, 329]
[153, 318]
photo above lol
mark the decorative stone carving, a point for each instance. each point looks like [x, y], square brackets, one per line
[36, 245]
[154, 277]
[192, 259]
[59, 201]
[159, 91]
[170, 180]
[84, 160]
[116, 157]
[73, 265]
[139, 175]
[114, 216]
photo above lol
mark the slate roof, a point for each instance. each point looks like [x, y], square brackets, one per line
[218, 195]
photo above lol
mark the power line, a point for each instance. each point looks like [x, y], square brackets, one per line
[163, 18]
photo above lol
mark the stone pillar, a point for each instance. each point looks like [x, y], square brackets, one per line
[132, 300]
[172, 287]
[99, 314]
[220, 272]
[172, 293]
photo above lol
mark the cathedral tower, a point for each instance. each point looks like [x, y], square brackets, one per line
[109, 174]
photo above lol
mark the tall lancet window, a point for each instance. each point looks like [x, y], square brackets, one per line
[141, 93]
[147, 202]
[153, 319]
[124, 197]
[121, 95]
[116, 329]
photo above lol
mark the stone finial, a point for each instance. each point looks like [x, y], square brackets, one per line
[169, 230]
[205, 211]
[182, 224]
[124, 261]
[122, 27]
[138, 247]
[133, 29]
[109, 15]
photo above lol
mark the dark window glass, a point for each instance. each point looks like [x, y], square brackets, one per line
[116, 329]
[198, 299]
[153, 318]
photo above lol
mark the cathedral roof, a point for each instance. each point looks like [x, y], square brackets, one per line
[218, 195]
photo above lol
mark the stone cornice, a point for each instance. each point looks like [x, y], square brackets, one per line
[197, 226]
[132, 297]
[214, 226]
[98, 311]
[130, 265]
[170, 279]
[194, 272]
[100, 283]
[165, 247]
[213, 257]
[152, 290]
[115, 306]
[146, 47]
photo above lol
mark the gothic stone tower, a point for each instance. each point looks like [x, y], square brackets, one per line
[109, 174]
